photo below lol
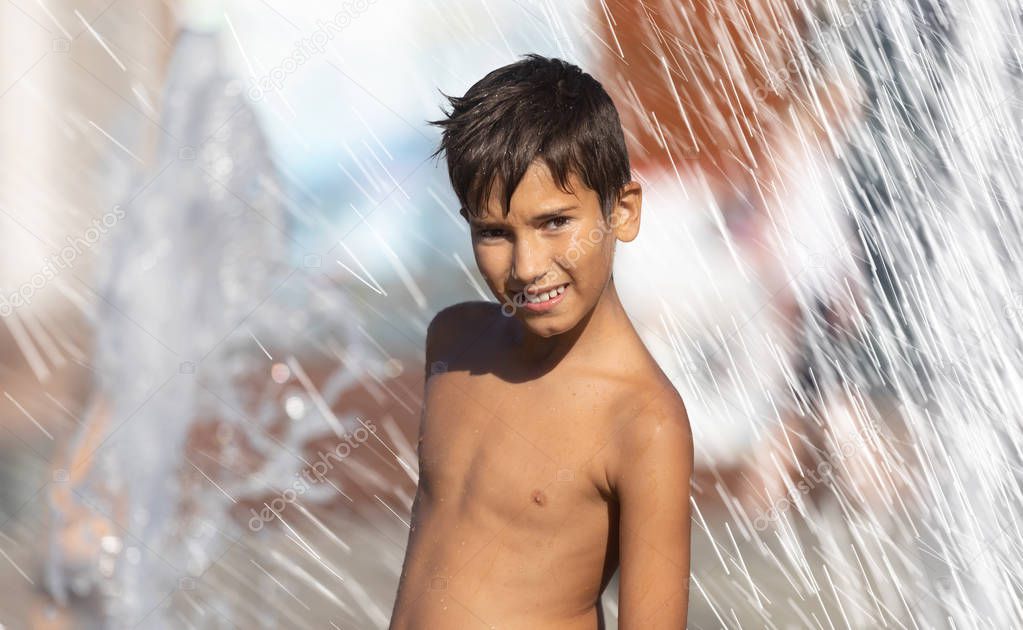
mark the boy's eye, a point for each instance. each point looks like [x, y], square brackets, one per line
[495, 233]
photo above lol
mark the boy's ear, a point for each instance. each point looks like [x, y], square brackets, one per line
[625, 215]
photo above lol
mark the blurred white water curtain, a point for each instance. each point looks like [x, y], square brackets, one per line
[200, 257]
[918, 525]
[892, 384]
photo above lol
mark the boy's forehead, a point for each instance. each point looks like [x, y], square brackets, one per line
[537, 193]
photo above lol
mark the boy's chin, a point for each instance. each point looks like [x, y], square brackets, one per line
[546, 325]
[545, 331]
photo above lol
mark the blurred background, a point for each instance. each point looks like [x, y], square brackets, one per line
[222, 237]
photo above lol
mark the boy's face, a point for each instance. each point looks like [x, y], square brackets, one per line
[550, 240]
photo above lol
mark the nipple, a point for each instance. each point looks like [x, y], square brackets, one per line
[539, 497]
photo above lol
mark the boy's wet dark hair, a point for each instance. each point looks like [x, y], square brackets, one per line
[534, 108]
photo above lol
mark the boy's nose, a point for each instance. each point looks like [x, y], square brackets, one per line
[529, 262]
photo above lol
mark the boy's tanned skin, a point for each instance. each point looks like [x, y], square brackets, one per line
[552, 449]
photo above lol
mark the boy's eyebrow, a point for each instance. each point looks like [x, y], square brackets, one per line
[479, 222]
[546, 216]
[550, 214]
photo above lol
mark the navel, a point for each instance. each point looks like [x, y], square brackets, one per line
[539, 497]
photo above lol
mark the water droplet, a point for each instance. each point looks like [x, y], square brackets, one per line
[280, 373]
[110, 544]
[294, 406]
[132, 555]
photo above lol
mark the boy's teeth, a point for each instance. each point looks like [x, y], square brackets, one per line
[543, 297]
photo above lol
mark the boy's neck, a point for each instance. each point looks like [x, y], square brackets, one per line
[601, 325]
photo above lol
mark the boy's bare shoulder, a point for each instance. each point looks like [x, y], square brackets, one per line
[458, 324]
[471, 309]
[647, 408]
[461, 318]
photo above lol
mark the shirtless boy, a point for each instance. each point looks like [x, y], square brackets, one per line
[552, 449]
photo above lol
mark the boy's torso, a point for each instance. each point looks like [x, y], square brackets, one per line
[515, 523]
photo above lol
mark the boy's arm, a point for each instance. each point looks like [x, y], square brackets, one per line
[436, 333]
[652, 484]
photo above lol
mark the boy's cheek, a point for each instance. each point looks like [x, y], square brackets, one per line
[488, 266]
[588, 255]
[495, 282]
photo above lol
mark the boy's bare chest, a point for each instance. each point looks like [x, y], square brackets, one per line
[488, 443]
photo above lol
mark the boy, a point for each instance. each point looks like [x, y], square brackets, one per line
[552, 449]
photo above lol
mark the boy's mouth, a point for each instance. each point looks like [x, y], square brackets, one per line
[542, 300]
